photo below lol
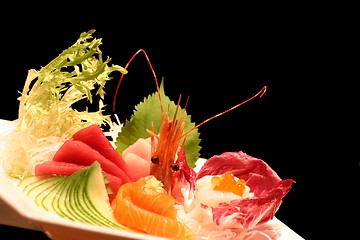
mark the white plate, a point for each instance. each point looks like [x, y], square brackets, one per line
[16, 210]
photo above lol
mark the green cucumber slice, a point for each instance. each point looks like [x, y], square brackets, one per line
[81, 197]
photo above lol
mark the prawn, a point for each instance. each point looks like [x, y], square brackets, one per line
[168, 159]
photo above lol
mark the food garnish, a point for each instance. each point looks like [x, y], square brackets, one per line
[143, 119]
[228, 183]
[78, 197]
[47, 116]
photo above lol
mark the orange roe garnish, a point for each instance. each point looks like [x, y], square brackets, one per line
[227, 183]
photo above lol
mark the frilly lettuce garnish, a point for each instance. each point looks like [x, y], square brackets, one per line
[47, 116]
[148, 112]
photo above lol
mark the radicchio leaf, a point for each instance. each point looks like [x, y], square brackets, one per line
[268, 188]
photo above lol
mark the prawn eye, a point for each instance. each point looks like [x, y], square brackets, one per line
[175, 167]
[155, 159]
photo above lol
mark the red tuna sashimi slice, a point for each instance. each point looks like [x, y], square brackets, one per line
[78, 152]
[67, 169]
[58, 168]
[114, 183]
[95, 138]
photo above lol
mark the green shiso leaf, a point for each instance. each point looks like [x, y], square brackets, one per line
[148, 112]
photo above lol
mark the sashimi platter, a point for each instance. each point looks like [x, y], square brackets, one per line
[80, 173]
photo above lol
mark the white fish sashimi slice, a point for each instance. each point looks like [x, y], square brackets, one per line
[141, 147]
[139, 167]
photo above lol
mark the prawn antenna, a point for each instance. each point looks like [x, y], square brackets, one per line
[122, 76]
[258, 94]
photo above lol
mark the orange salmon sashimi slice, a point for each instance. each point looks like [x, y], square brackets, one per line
[145, 206]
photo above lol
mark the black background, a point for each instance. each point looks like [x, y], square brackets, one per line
[305, 126]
